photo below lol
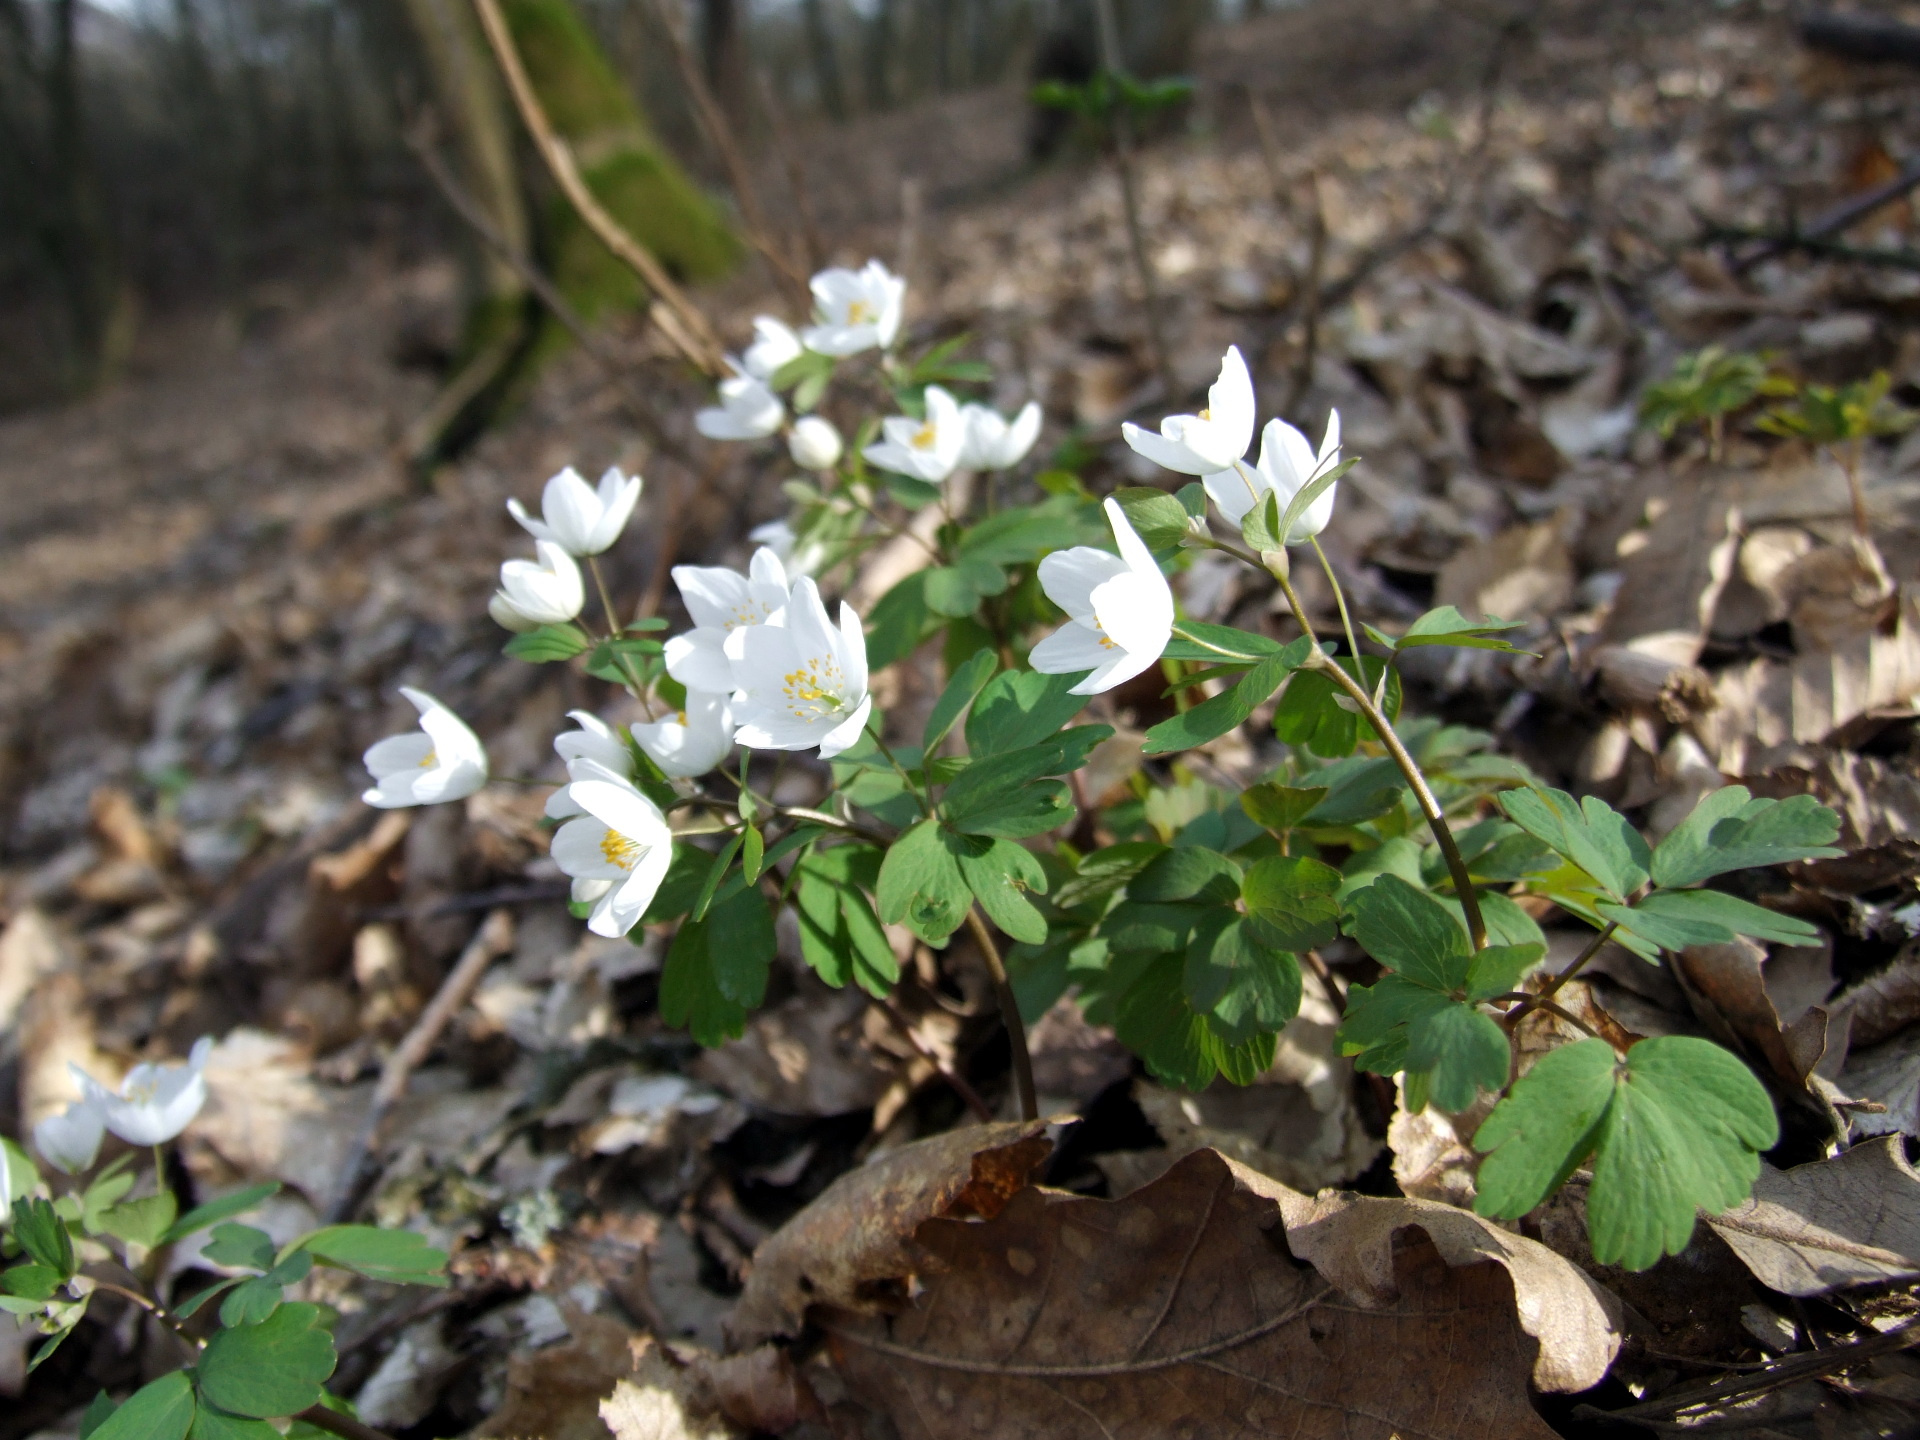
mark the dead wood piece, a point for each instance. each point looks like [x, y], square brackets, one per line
[1636, 680]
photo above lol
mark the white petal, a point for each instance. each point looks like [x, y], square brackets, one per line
[1166, 453]
[1136, 612]
[1236, 491]
[579, 849]
[1069, 577]
[847, 733]
[535, 528]
[570, 509]
[397, 754]
[1120, 667]
[698, 659]
[1020, 436]
[624, 810]
[1132, 548]
[1230, 407]
[853, 650]
[1070, 649]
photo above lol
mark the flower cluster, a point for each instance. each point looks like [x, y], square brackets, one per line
[151, 1106]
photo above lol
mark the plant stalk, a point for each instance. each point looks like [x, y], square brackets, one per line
[1544, 1000]
[1009, 1015]
[332, 1421]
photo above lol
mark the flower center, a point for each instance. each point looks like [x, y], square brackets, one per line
[431, 759]
[1206, 413]
[620, 852]
[813, 690]
[924, 437]
[860, 313]
[753, 612]
[681, 716]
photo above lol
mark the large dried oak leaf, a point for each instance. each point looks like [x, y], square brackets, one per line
[1180, 1310]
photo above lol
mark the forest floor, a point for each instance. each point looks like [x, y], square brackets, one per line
[217, 573]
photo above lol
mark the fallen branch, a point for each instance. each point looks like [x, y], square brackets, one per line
[492, 940]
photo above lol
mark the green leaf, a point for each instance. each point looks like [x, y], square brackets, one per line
[1590, 833]
[1675, 919]
[190, 1307]
[95, 1415]
[1280, 808]
[1498, 969]
[400, 1257]
[899, 622]
[840, 937]
[1242, 985]
[1410, 931]
[690, 993]
[233, 1244]
[1023, 534]
[1293, 901]
[31, 1281]
[271, 1369]
[956, 590]
[753, 853]
[43, 1234]
[1157, 517]
[251, 1302]
[962, 689]
[547, 644]
[1020, 708]
[1675, 1128]
[920, 883]
[212, 1424]
[1447, 626]
[1215, 644]
[1730, 830]
[1187, 873]
[1004, 795]
[1104, 871]
[716, 872]
[1317, 714]
[1155, 1021]
[1000, 878]
[144, 1221]
[225, 1207]
[1228, 710]
[162, 1410]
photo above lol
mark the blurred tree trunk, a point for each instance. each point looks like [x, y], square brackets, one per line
[509, 338]
[826, 58]
[941, 15]
[722, 43]
[878, 58]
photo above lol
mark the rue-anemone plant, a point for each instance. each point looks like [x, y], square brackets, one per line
[1183, 916]
[248, 1363]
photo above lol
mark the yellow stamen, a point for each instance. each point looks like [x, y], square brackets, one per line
[860, 313]
[619, 851]
[681, 716]
[813, 691]
[1207, 413]
[924, 437]
[432, 760]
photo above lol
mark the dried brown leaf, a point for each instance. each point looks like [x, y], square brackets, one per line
[858, 1233]
[1851, 1220]
[1178, 1310]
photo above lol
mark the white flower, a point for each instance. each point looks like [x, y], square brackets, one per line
[442, 761]
[617, 852]
[774, 344]
[778, 536]
[1120, 607]
[855, 309]
[721, 600]
[1287, 465]
[748, 410]
[994, 443]
[508, 618]
[561, 804]
[803, 683]
[155, 1102]
[692, 742]
[595, 740]
[547, 591]
[926, 449]
[579, 520]
[1211, 441]
[71, 1139]
[814, 443]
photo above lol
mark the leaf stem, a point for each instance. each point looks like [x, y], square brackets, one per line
[158, 1311]
[1339, 597]
[1423, 794]
[1009, 1014]
[1544, 999]
[926, 805]
[332, 1421]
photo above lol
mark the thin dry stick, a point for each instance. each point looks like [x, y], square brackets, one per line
[679, 319]
[492, 940]
[720, 135]
[810, 239]
[1009, 1015]
[1136, 236]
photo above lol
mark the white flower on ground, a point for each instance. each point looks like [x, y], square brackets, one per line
[617, 851]
[802, 684]
[774, 344]
[1211, 441]
[748, 410]
[926, 449]
[442, 760]
[693, 741]
[855, 310]
[722, 600]
[995, 443]
[155, 1102]
[580, 520]
[595, 740]
[1287, 465]
[71, 1139]
[547, 591]
[813, 443]
[1120, 609]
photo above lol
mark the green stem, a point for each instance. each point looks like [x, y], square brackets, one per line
[926, 806]
[1423, 794]
[1544, 1000]
[614, 632]
[1339, 596]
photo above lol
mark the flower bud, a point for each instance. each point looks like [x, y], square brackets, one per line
[814, 443]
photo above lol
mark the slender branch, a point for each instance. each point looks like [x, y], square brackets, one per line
[1009, 1014]
[332, 1421]
[156, 1310]
[492, 940]
[679, 319]
[1423, 794]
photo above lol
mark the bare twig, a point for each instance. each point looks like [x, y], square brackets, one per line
[1009, 1015]
[491, 941]
[1110, 60]
[679, 319]
[1834, 221]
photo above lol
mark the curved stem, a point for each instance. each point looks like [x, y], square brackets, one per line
[332, 1421]
[614, 633]
[1423, 794]
[159, 1312]
[1339, 597]
[1009, 1014]
[926, 806]
[1543, 1000]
